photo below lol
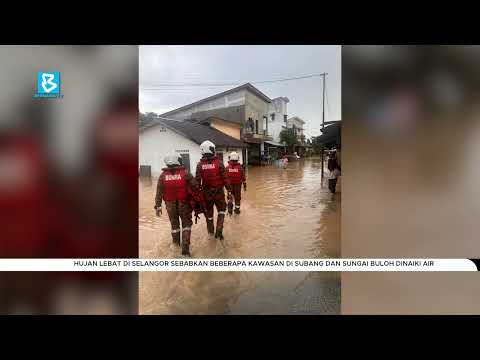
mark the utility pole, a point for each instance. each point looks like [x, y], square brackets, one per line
[323, 120]
[322, 166]
[323, 101]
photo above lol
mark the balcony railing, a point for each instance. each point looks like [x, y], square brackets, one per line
[248, 134]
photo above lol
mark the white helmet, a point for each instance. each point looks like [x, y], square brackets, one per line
[172, 160]
[207, 147]
[233, 156]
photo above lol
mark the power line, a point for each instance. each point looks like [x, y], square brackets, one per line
[154, 87]
[193, 90]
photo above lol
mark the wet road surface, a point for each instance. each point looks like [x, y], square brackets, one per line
[284, 214]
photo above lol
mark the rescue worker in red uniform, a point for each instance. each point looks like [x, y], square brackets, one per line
[236, 177]
[24, 220]
[210, 174]
[173, 187]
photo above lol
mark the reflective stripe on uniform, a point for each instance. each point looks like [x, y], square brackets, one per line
[221, 213]
[175, 231]
[210, 218]
[237, 206]
[187, 228]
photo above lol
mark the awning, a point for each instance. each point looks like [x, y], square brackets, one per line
[252, 141]
[331, 135]
[274, 143]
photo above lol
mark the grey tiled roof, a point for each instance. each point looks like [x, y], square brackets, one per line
[198, 133]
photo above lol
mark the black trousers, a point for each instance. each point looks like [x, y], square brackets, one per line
[332, 185]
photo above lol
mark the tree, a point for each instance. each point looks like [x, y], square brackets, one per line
[144, 118]
[151, 115]
[288, 137]
[317, 146]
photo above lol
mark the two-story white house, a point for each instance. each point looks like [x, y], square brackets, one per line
[277, 117]
[278, 121]
[245, 106]
[298, 126]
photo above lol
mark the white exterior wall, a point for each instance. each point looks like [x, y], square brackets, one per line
[256, 109]
[278, 107]
[234, 99]
[298, 124]
[157, 142]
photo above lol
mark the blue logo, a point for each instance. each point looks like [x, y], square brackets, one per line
[48, 85]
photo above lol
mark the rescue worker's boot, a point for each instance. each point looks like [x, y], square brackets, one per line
[176, 237]
[230, 204]
[186, 241]
[220, 219]
[210, 226]
[237, 209]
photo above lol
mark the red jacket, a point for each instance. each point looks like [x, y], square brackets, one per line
[235, 173]
[210, 172]
[174, 184]
[24, 199]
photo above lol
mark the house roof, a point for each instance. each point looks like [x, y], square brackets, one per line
[209, 120]
[246, 86]
[284, 98]
[274, 143]
[296, 118]
[233, 114]
[331, 134]
[198, 133]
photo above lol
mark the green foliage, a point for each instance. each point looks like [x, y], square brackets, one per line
[317, 147]
[142, 118]
[288, 136]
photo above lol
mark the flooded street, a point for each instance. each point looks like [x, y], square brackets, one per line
[284, 214]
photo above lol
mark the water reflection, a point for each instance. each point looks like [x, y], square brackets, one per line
[285, 213]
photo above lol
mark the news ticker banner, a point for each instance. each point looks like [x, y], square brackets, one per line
[187, 264]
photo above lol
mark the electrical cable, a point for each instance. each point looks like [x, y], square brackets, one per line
[153, 87]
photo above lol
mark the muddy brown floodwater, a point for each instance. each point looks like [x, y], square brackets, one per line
[284, 214]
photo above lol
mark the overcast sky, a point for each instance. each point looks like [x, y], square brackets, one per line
[241, 64]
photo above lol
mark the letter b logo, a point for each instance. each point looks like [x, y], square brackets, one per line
[48, 83]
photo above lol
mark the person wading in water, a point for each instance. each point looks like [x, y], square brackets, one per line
[333, 172]
[236, 177]
[210, 174]
[173, 187]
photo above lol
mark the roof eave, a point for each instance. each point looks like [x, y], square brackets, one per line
[246, 86]
[241, 144]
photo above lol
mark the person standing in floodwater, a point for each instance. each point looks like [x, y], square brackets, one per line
[174, 186]
[285, 162]
[210, 174]
[236, 177]
[333, 172]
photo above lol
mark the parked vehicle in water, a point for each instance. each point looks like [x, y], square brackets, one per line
[292, 157]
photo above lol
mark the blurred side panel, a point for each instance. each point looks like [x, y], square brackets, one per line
[411, 161]
[68, 175]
